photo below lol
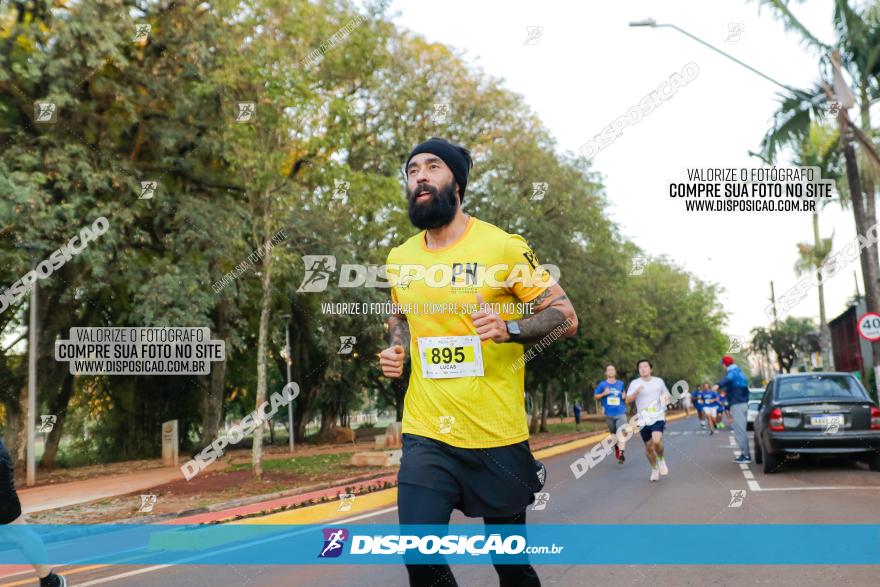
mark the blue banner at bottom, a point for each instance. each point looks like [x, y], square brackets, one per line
[570, 544]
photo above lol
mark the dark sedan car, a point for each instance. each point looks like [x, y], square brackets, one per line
[816, 413]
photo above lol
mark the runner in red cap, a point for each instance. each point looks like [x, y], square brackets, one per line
[737, 387]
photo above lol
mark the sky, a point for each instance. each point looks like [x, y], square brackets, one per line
[588, 67]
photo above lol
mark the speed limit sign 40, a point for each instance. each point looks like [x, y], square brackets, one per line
[869, 326]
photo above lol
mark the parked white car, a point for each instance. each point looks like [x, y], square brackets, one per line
[755, 395]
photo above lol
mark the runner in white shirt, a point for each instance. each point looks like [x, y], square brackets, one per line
[651, 396]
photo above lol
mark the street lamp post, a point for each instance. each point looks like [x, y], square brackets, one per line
[31, 424]
[32, 390]
[288, 360]
[650, 22]
[863, 139]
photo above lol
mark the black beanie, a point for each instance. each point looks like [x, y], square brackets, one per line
[457, 158]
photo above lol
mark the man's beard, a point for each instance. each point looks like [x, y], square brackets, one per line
[436, 212]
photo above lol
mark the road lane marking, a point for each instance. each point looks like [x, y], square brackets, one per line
[820, 488]
[30, 581]
[124, 575]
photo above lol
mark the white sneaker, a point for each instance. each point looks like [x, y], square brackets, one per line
[664, 470]
[655, 474]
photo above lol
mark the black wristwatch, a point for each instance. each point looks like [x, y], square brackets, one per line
[513, 330]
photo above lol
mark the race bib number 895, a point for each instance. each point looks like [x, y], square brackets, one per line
[451, 356]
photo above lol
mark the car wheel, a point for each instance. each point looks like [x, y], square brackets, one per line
[758, 454]
[874, 462]
[750, 426]
[770, 462]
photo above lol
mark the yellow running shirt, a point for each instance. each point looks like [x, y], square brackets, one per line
[447, 399]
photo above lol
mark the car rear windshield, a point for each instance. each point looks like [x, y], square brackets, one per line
[819, 386]
[755, 396]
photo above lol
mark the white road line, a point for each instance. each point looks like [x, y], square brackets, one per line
[748, 474]
[819, 488]
[744, 466]
[123, 575]
[231, 549]
[753, 485]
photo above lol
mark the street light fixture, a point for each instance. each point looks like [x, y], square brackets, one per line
[650, 22]
[863, 139]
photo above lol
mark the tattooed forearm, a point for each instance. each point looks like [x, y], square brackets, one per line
[540, 325]
[398, 330]
[543, 297]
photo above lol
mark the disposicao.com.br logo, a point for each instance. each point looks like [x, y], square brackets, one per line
[319, 269]
[450, 544]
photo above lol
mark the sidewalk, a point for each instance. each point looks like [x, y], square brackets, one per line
[58, 495]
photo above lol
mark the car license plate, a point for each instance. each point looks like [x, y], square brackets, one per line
[827, 420]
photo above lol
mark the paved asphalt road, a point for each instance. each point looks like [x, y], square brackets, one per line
[697, 491]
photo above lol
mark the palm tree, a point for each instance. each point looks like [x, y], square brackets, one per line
[856, 51]
[819, 149]
[761, 344]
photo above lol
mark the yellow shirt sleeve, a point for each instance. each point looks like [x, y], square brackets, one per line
[526, 279]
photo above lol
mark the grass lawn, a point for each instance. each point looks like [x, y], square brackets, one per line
[568, 427]
[310, 465]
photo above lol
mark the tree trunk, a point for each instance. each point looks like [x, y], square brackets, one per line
[212, 400]
[872, 275]
[824, 331]
[327, 432]
[20, 445]
[545, 408]
[262, 352]
[52, 318]
[868, 261]
[58, 407]
[533, 421]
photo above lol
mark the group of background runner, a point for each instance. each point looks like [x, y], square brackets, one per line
[650, 395]
[728, 397]
[711, 406]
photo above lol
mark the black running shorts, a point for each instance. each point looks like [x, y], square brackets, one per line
[10, 506]
[647, 431]
[482, 482]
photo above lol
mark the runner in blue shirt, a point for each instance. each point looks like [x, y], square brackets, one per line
[698, 404]
[611, 392]
[724, 409]
[711, 403]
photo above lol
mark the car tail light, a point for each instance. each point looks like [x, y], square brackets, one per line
[776, 420]
[875, 418]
